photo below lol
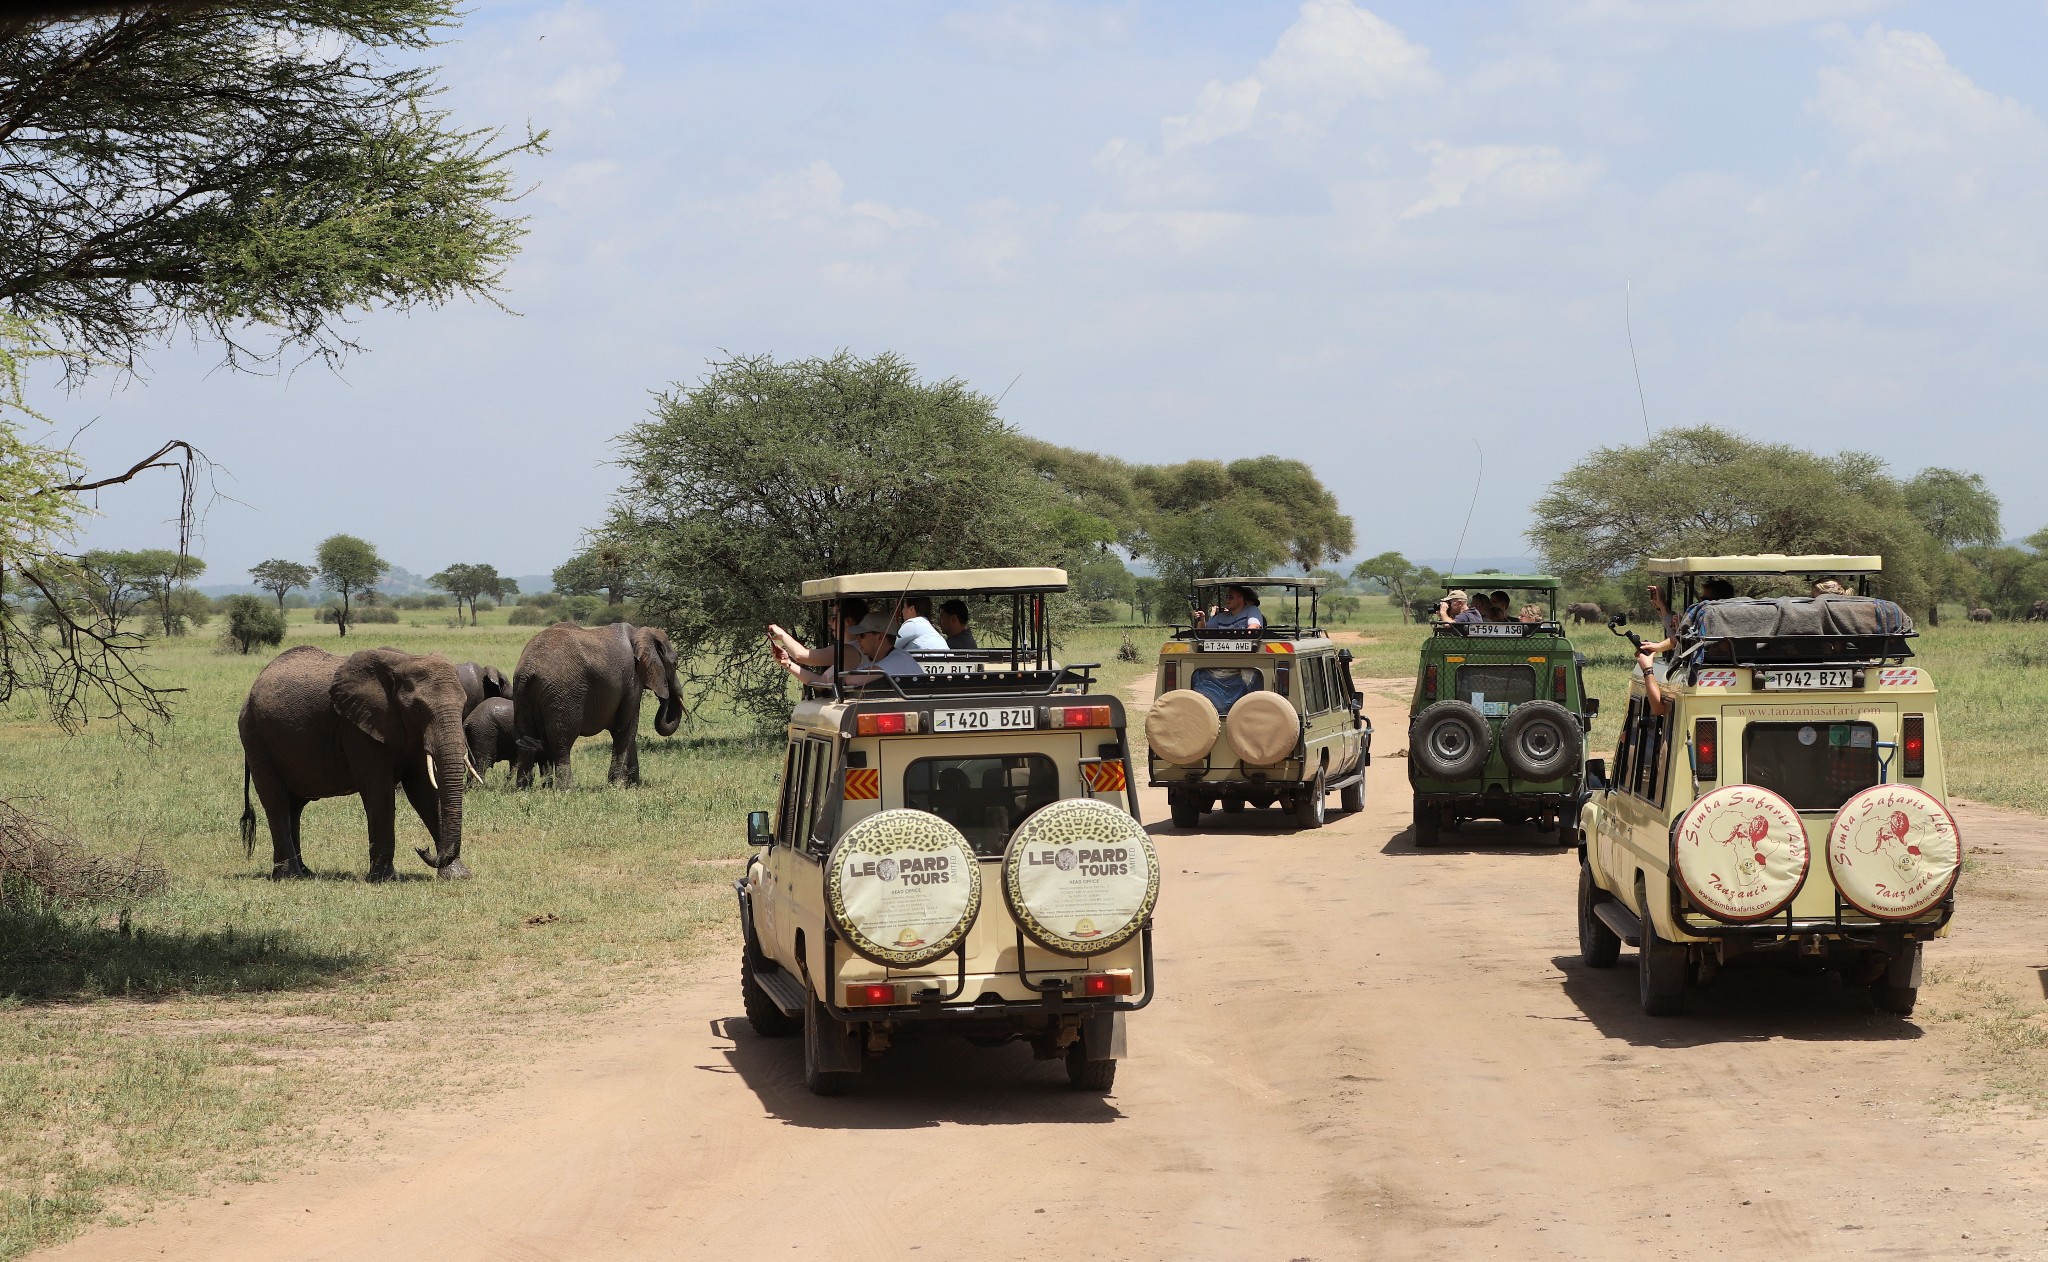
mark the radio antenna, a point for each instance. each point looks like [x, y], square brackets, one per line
[1628, 323]
[1469, 507]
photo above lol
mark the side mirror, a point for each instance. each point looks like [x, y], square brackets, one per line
[1596, 773]
[757, 829]
[1592, 705]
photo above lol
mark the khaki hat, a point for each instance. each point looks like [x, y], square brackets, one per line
[1459, 594]
[873, 624]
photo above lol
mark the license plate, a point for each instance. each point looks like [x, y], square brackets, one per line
[1796, 679]
[1008, 719]
[1493, 628]
[952, 668]
[1228, 646]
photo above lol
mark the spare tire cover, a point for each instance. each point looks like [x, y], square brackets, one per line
[1182, 726]
[1080, 876]
[1894, 851]
[1263, 728]
[904, 887]
[1541, 740]
[1450, 740]
[1740, 853]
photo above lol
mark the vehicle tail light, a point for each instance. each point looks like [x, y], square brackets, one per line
[1706, 749]
[872, 994]
[1101, 985]
[1914, 738]
[888, 723]
[1078, 716]
[1429, 684]
[1171, 677]
[1557, 684]
[1279, 648]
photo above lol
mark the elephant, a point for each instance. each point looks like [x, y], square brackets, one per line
[578, 681]
[316, 725]
[1980, 615]
[2039, 611]
[492, 737]
[480, 683]
[1584, 611]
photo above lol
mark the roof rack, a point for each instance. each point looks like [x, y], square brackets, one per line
[1768, 563]
[1828, 630]
[1078, 677]
[1506, 582]
[1299, 581]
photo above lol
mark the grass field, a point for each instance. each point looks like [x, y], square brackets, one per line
[218, 1030]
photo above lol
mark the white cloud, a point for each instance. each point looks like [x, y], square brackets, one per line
[1037, 27]
[816, 195]
[1337, 52]
[1222, 109]
[1508, 175]
[1898, 99]
[1718, 15]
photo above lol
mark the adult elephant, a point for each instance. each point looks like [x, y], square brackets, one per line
[578, 681]
[480, 683]
[1980, 615]
[2039, 611]
[319, 726]
[1583, 611]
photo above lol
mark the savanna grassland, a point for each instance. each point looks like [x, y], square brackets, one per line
[231, 1025]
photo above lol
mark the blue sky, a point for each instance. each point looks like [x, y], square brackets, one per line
[1380, 238]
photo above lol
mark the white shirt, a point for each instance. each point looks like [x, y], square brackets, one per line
[918, 635]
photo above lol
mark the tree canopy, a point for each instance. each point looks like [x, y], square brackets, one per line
[241, 171]
[349, 566]
[605, 565]
[467, 583]
[280, 577]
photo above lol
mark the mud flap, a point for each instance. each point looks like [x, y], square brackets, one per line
[1103, 1037]
[831, 1046]
[1904, 971]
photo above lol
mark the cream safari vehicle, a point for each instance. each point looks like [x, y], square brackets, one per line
[1789, 803]
[1258, 717]
[958, 849]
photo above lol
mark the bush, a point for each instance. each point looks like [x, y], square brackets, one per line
[483, 606]
[1101, 611]
[409, 602]
[541, 600]
[582, 608]
[360, 614]
[433, 602]
[253, 620]
[531, 616]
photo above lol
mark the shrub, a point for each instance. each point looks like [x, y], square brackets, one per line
[582, 608]
[253, 620]
[541, 600]
[482, 606]
[433, 602]
[1100, 611]
[531, 616]
[379, 613]
[409, 602]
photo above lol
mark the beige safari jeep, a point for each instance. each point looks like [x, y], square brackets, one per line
[1787, 801]
[957, 850]
[1257, 717]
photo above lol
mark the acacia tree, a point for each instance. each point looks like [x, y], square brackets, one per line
[466, 583]
[349, 566]
[280, 577]
[606, 565]
[1956, 509]
[1397, 574]
[160, 571]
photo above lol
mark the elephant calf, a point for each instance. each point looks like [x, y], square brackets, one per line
[492, 737]
[320, 726]
[578, 681]
[480, 683]
[1980, 615]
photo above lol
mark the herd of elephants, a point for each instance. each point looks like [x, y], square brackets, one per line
[319, 725]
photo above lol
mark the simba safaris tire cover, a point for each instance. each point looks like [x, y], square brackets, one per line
[1080, 876]
[904, 887]
[1182, 726]
[1740, 853]
[1263, 728]
[1450, 740]
[1894, 851]
[1541, 740]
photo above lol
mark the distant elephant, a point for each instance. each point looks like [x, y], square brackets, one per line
[2039, 612]
[481, 683]
[319, 726]
[491, 735]
[1584, 611]
[578, 681]
[1980, 615]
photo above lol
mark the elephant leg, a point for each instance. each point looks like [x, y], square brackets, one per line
[559, 773]
[380, 807]
[626, 742]
[282, 811]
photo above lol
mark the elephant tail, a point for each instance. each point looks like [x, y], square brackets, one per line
[248, 816]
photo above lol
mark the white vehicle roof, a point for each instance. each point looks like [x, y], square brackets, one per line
[891, 583]
[1768, 563]
[1269, 581]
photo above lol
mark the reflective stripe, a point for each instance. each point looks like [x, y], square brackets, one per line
[1103, 777]
[863, 784]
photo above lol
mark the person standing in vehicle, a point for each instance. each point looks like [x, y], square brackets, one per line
[953, 625]
[1454, 608]
[1239, 612]
[916, 634]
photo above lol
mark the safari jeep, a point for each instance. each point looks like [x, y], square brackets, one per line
[1497, 727]
[1254, 718]
[1790, 803]
[958, 850]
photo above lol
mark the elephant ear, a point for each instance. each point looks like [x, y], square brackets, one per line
[653, 656]
[365, 692]
[495, 683]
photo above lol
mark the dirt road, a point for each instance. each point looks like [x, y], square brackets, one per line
[1359, 1051]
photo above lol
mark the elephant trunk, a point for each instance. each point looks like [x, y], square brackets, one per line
[669, 716]
[449, 752]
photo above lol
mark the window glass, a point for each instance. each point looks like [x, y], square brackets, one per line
[1223, 685]
[1315, 692]
[985, 798]
[1814, 766]
[788, 827]
[1648, 764]
[1497, 688]
[1624, 748]
[819, 778]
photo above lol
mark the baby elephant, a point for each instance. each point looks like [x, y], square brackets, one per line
[491, 736]
[1980, 615]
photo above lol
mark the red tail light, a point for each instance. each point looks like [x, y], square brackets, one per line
[1078, 716]
[1914, 739]
[1706, 748]
[1429, 684]
[1100, 985]
[1172, 676]
[872, 994]
[891, 723]
[1557, 692]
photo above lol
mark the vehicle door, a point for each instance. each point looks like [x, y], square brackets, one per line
[1632, 821]
[795, 857]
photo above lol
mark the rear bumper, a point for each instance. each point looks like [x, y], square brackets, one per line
[940, 1005]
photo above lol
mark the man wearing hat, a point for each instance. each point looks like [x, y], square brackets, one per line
[1455, 608]
[879, 656]
[1240, 612]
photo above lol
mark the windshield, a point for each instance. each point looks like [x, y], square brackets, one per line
[1814, 766]
[985, 798]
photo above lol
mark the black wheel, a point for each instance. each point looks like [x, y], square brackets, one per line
[819, 1026]
[1426, 822]
[1541, 741]
[768, 1020]
[1095, 1076]
[1187, 812]
[1660, 974]
[1890, 998]
[1233, 805]
[1599, 946]
[1352, 797]
[1451, 740]
[1311, 805]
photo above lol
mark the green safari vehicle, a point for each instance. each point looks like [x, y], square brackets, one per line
[1497, 728]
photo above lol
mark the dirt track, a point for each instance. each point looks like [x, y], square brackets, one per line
[1359, 1051]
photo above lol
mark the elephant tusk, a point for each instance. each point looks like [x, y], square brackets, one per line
[472, 769]
[430, 772]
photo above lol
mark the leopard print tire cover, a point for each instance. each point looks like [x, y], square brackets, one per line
[1080, 876]
[904, 887]
[1894, 851]
[1740, 853]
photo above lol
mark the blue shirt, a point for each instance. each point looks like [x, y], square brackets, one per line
[1245, 619]
[1470, 615]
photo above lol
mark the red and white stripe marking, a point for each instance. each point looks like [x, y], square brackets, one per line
[1898, 677]
[1717, 679]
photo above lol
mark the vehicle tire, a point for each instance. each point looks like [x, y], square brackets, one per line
[1599, 946]
[1233, 805]
[1541, 740]
[1660, 974]
[1451, 741]
[768, 1020]
[1187, 812]
[1311, 805]
[818, 1026]
[1895, 999]
[1182, 727]
[1426, 823]
[1352, 797]
[1096, 1077]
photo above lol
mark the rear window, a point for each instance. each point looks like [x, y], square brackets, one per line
[1496, 688]
[985, 798]
[1814, 766]
[1223, 685]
